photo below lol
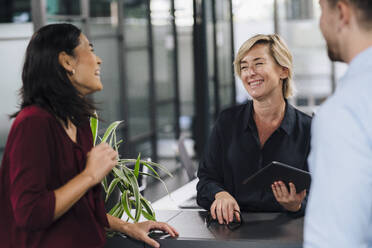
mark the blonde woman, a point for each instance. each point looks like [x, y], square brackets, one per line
[247, 137]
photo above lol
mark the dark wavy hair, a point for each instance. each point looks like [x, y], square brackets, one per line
[45, 81]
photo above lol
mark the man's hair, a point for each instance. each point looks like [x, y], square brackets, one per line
[278, 50]
[363, 9]
[45, 81]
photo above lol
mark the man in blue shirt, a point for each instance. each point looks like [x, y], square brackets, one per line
[339, 211]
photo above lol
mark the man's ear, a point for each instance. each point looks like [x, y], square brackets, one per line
[66, 61]
[344, 10]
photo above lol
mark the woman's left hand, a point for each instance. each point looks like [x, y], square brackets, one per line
[141, 230]
[289, 200]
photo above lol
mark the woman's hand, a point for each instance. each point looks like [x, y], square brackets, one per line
[223, 208]
[289, 200]
[141, 230]
[100, 160]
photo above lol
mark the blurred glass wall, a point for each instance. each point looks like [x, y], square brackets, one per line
[298, 24]
[149, 56]
[250, 18]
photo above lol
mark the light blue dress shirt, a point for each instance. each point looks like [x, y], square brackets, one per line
[339, 210]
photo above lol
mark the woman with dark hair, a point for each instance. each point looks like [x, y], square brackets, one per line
[49, 179]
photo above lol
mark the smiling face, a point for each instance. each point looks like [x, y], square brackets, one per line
[85, 74]
[262, 77]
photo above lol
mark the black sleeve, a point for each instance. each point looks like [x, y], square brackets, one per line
[301, 212]
[210, 172]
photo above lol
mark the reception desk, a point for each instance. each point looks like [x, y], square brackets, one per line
[259, 230]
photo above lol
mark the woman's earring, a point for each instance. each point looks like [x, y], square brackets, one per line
[73, 71]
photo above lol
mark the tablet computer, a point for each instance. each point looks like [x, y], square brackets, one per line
[276, 171]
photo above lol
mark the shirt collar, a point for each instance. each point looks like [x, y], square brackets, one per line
[289, 120]
[287, 124]
[248, 116]
[359, 65]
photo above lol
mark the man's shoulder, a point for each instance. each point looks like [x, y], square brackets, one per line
[354, 88]
[328, 108]
[342, 110]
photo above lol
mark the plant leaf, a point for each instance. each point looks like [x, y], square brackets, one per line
[148, 208]
[111, 138]
[113, 209]
[112, 187]
[122, 162]
[110, 129]
[122, 187]
[118, 143]
[150, 168]
[94, 128]
[122, 165]
[121, 175]
[120, 214]
[104, 184]
[148, 163]
[148, 216]
[137, 166]
[117, 211]
[126, 179]
[150, 175]
[125, 204]
[136, 193]
[161, 167]
[165, 186]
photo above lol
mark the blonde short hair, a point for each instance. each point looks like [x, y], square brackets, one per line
[278, 50]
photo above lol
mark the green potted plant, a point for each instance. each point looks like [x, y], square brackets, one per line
[125, 178]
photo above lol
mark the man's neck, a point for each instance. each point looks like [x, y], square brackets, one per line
[356, 43]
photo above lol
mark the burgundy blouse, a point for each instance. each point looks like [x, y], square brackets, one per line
[40, 157]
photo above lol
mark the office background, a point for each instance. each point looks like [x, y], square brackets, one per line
[167, 64]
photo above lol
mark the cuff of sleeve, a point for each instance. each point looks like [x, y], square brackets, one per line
[213, 191]
[40, 215]
[205, 197]
[299, 213]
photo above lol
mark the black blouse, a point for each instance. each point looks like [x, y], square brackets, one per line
[234, 153]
